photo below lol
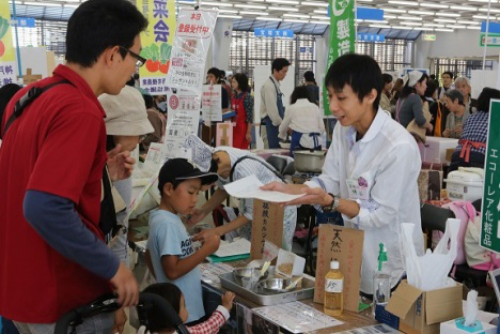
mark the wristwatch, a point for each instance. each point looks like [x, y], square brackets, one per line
[333, 206]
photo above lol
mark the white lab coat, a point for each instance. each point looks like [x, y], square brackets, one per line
[387, 161]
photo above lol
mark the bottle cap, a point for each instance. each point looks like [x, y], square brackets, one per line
[334, 265]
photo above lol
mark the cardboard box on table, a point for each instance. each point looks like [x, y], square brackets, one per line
[346, 246]
[267, 224]
[422, 312]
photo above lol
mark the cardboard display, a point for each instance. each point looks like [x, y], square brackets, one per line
[346, 246]
[267, 224]
[422, 312]
[224, 134]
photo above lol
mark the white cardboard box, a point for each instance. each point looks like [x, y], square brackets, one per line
[435, 149]
[457, 326]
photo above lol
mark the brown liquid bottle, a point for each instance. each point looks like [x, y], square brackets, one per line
[334, 295]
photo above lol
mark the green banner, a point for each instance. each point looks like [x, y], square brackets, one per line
[490, 238]
[342, 36]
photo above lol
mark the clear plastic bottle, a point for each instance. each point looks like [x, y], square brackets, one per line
[381, 280]
[334, 295]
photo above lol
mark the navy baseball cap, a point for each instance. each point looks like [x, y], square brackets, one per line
[177, 170]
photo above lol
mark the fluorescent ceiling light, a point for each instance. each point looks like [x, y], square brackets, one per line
[469, 22]
[358, 20]
[448, 14]
[320, 11]
[216, 4]
[250, 6]
[403, 3]
[286, 2]
[71, 6]
[312, 3]
[187, 3]
[465, 8]
[492, 1]
[434, 25]
[231, 11]
[303, 16]
[389, 16]
[382, 26]
[406, 23]
[296, 21]
[423, 29]
[482, 17]
[46, 4]
[433, 5]
[491, 10]
[391, 10]
[445, 20]
[320, 22]
[400, 28]
[446, 30]
[59, 0]
[268, 19]
[420, 12]
[230, 16]
[376, 21]
[365, 0]
[284, 9]
[320, 17]
[411, 18]
[244, 12]
[473, 28]
[455, 26]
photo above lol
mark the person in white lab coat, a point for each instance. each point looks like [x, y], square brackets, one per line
[371, 168]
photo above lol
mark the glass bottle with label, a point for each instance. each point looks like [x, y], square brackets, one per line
[334, 286]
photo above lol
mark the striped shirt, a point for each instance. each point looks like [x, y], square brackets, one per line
[475, 129]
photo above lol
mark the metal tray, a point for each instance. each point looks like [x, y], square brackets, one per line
[306, 292]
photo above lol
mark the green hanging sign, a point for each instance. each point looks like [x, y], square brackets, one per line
[342, 36]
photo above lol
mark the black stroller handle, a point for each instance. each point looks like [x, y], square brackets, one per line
[109, 303]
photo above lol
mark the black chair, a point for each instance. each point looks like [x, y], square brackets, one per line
[434, 219]
[278, 163]
[289, 169]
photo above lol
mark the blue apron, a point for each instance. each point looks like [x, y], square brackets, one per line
[295, 143]
[273, 131]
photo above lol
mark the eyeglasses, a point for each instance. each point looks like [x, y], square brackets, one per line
[140, 60]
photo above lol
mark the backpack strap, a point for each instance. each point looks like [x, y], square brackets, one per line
[25, 100]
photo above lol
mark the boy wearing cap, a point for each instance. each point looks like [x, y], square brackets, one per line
[170, 253]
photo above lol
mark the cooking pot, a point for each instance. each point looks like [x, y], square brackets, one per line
[309, 161]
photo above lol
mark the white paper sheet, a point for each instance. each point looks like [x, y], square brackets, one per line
[249, 187]
[296, 317]
[238, 247]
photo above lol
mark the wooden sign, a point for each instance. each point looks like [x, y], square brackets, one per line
[346, 246]
[267, 224]
[30, 78]
[224, 135]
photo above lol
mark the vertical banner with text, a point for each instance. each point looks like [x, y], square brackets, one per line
[156, 43]
[342, 36]
[8, 62]
[490, 231]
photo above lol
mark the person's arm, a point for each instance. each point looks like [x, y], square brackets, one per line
[233, 225]
[283, 130]
[213, 324]
[149, 263]
[416, 106]
[271, 101]
[215, 200]
[249, 105]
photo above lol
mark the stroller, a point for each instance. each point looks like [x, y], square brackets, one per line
[109, 303]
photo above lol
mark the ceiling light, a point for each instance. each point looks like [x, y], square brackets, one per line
[382, 26]
[433, 5]
[482, 17]
[389, 16]
[46, 4]
[250, 6]
[400, 28]
[320, 17]
[391, 10]
[252, 13]
[403, 3]
[296, 21]
[448, 14]
[358, 20]
[455, 26]
[320, 11]
[71, 6]
[465, 8]
[312, 3]
[320, 22]
[473, 28]
[59, 0]
[423, 29]
[216, 4]
[365, 0]
[230, 16]
[411, 18]
[491, 10]
[285, 9]
[446, 30]
[420, 12]
[286, 2]
[268, 19]
[231, 11]
[492, 1]
[186, 3]
[434, 25]
[376, 21]
[303, 16]
[469, 22]
[445, 20]
[410, 23]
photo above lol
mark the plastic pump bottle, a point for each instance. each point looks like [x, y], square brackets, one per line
[381, 280]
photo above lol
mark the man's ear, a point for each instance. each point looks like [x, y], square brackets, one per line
[109, 55]
[371, 96]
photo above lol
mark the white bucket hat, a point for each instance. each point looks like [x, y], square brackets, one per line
[412, 78]
[126, 113]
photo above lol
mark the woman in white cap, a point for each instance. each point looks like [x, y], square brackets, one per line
[410, 106]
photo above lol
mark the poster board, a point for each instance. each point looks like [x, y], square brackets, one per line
[224, 134]
[267, 224]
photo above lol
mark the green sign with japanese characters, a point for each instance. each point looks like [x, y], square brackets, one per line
[342, 35]
[490, 237]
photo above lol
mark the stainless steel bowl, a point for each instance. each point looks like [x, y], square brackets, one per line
[246, 276]
[276, 285]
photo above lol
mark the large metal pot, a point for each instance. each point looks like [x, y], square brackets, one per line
[309, 161]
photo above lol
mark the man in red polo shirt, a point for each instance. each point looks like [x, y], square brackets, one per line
[52, 254]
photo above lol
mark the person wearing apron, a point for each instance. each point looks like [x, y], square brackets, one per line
[242, 103]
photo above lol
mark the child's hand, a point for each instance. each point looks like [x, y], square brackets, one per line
[227, 300]
[211, 244]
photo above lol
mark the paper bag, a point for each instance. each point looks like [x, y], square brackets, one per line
[267, 224]
[430, 185]
[346, 246]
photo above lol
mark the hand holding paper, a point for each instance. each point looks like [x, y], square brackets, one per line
[250, 187]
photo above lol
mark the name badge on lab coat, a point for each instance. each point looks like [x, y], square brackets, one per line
[358, 188]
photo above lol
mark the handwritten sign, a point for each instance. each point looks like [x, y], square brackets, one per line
[267, 224]
[212, 103]
[346, 246]
[224, 134]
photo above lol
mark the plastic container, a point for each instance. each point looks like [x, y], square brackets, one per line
[465, 184]
[334, 291]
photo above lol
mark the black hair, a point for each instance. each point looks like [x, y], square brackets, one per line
[216, 72]
[432, 86]
[432, 77]
[483, 101]
[387, 78]
[278, 64]
[300, 92]
[407, 90]
[110, 143]
[148, 101]
[213, 166]
[309, 76]
[242, 81]
[172, 294]
[222, 74]
[97, 25]
[449, 73]
[7, 92]
[361, 72]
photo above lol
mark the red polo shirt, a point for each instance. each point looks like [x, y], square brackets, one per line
[57, 146]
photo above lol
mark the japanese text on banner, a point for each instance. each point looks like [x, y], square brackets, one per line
[490, 232]
[342, 36]
[156, 43]
[191, 43]
[8, 64]
[211, 102]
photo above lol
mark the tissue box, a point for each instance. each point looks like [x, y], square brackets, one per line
[457, 326]
[422, 312]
